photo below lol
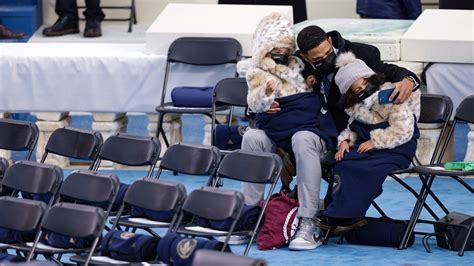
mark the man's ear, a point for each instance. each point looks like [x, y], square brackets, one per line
[330, 40]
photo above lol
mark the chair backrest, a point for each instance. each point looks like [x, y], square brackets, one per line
[254, 167]
[435, 108]
[33, 177]
[205, 257]
[204, 51]
[89, 186]
[74, 220]
[231, 91]
[18, 136]
[130, 150]
[191, 159]
[74, 143]
[465, 110]
[4, 164]
[214, 203]
[201, 51]
[21, 214]
[155, 195]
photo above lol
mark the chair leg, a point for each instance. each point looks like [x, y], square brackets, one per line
[377, 207]
[407, 187]
[134, 11]
[160, 130]
[416, 211]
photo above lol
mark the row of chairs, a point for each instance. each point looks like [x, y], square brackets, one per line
[87, 187]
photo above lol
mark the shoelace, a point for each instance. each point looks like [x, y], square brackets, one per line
[305, 229]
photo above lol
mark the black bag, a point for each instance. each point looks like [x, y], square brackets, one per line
[452, 229]
[384, 232]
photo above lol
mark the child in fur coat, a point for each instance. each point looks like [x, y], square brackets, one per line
[359, 86]
[274, 71]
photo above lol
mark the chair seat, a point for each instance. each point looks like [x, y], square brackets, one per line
[409, 170]
[46, 249]
[103, 260]
[204, 231]
[170, 108]
[139, 222]
[438, 169]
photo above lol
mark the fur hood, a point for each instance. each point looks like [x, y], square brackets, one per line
[274, 31]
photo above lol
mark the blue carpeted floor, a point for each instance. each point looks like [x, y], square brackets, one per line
[395, 201]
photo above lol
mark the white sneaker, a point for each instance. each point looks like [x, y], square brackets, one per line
[307, 236]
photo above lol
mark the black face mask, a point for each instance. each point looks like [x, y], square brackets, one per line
[326, 65]
[281, 59]
[349, 98]
[369, 90]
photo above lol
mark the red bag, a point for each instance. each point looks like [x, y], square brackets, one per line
[280, 222]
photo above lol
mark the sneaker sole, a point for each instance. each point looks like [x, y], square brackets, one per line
[61, 33]
[301, 248]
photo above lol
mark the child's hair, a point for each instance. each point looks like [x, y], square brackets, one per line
[350, 99]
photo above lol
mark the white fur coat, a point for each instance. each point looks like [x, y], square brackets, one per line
[399, 116]
[274, 31]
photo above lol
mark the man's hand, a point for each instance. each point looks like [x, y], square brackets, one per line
[274, 108]
[366, 146]
[404, 89]
[343, 147]
[270, 87]
[310, 81]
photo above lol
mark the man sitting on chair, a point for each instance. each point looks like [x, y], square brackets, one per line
[68, 21]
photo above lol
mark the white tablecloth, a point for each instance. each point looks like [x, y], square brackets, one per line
[454, 80]
[98, 77]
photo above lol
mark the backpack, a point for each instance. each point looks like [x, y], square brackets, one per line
[280, 222]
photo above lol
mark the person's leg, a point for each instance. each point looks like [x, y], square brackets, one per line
[67, 8]
[256, 140]
[94, 16]
[308, 148]
[93, 10]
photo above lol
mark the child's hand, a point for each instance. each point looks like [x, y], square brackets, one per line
[366, 146]
[311, 80]
[274, 108]
[270, 87]
[343, 147]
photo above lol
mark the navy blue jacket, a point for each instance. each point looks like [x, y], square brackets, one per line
[389, 9]
[298, 112]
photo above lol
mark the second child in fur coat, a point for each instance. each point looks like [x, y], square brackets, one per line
[359, 87]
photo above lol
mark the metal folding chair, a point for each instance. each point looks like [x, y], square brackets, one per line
[18, 135]
[74, 143]
[197, 51]
[230, 92]
[191, 159]
[130, 150]
[428, 173]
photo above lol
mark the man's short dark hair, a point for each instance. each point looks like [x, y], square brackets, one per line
[310, 37]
